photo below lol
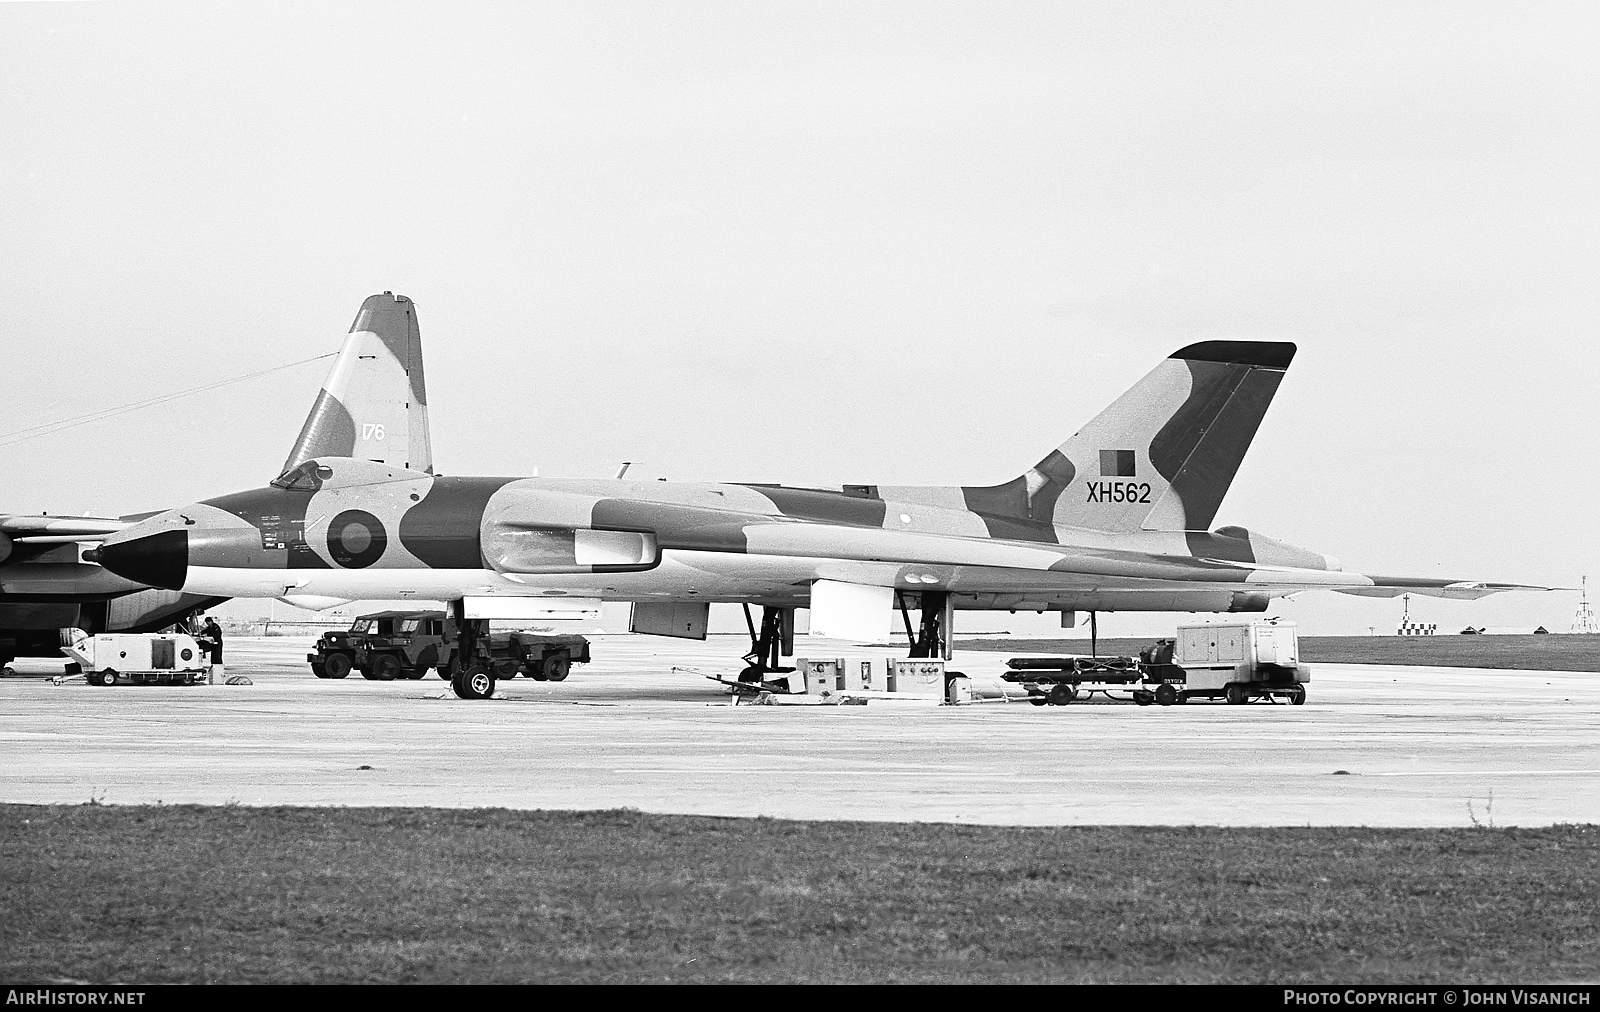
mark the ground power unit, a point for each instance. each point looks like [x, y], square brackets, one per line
[141, 659]
[1241, 660]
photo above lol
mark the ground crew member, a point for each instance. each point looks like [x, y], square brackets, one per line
[210, 638]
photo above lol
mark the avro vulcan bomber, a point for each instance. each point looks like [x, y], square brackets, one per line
[1117, 518]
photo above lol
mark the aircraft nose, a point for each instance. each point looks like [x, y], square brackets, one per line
[160, 560]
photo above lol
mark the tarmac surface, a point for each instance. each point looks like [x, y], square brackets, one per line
[1416, 746]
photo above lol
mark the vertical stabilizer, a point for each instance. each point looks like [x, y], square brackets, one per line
[374, 404]
[1162, 456]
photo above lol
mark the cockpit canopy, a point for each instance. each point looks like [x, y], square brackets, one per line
[307, 477]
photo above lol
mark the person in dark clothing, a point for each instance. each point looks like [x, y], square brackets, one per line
[210, 638]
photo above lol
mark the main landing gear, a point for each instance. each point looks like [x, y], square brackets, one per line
[470, 678]
[932, 638]
[769, 646]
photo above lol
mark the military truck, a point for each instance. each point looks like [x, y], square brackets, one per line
[387, 645]
[337, 651]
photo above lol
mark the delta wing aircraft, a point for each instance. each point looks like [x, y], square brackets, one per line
[375, 395]
[1114, 519]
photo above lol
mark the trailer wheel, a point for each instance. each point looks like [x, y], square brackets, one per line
[1166, 695]
[1297, 695]
[556, 667]
[106, 677]
[1237, 693]
[475, 682]
[337, 665]
[385, 667]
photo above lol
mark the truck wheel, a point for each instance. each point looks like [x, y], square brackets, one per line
[319, 669]
[417, 672]
[1298, 695]
[1166, 695]
[1237, 693]
[385, 667]
[337, 665]
[475, 682]
[557, 667]
[443, 671]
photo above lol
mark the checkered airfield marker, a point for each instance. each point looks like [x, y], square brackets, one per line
[1410, 628]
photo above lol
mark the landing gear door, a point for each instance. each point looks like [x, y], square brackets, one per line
[685, 621]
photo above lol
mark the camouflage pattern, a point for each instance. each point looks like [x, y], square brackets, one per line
[1113, 519]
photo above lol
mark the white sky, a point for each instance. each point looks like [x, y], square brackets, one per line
[814, 243]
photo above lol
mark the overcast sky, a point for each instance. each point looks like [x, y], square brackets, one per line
[823, 243]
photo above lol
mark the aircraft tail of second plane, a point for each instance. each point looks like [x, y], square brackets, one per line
[374, 403]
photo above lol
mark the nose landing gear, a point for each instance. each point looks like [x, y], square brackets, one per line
[469, 677]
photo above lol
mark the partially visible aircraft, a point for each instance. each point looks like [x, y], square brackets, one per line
[373, 405]
[1113, 519]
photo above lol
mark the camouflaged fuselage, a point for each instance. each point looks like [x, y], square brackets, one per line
[365, 530]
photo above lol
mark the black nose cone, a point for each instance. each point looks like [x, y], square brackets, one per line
[160, 560]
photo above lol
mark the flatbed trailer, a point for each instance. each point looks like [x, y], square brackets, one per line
[1236, 661]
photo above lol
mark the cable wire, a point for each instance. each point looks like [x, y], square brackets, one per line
[46, 428]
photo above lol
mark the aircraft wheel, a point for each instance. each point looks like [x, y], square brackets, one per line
[385, 667]
[557, 668]
[1166, 695]
[752, 674]
[1237, 693]
[475, 682]
[337, 665]
[1298, 695]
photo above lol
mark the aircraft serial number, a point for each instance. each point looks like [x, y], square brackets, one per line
[1118, 491]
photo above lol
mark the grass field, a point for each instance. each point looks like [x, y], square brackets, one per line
[1529, 653]
[153, 894]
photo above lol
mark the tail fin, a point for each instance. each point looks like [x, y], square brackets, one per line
[1162, 456]
[374, 404]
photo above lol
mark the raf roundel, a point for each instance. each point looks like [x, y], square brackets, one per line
[356, 539]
